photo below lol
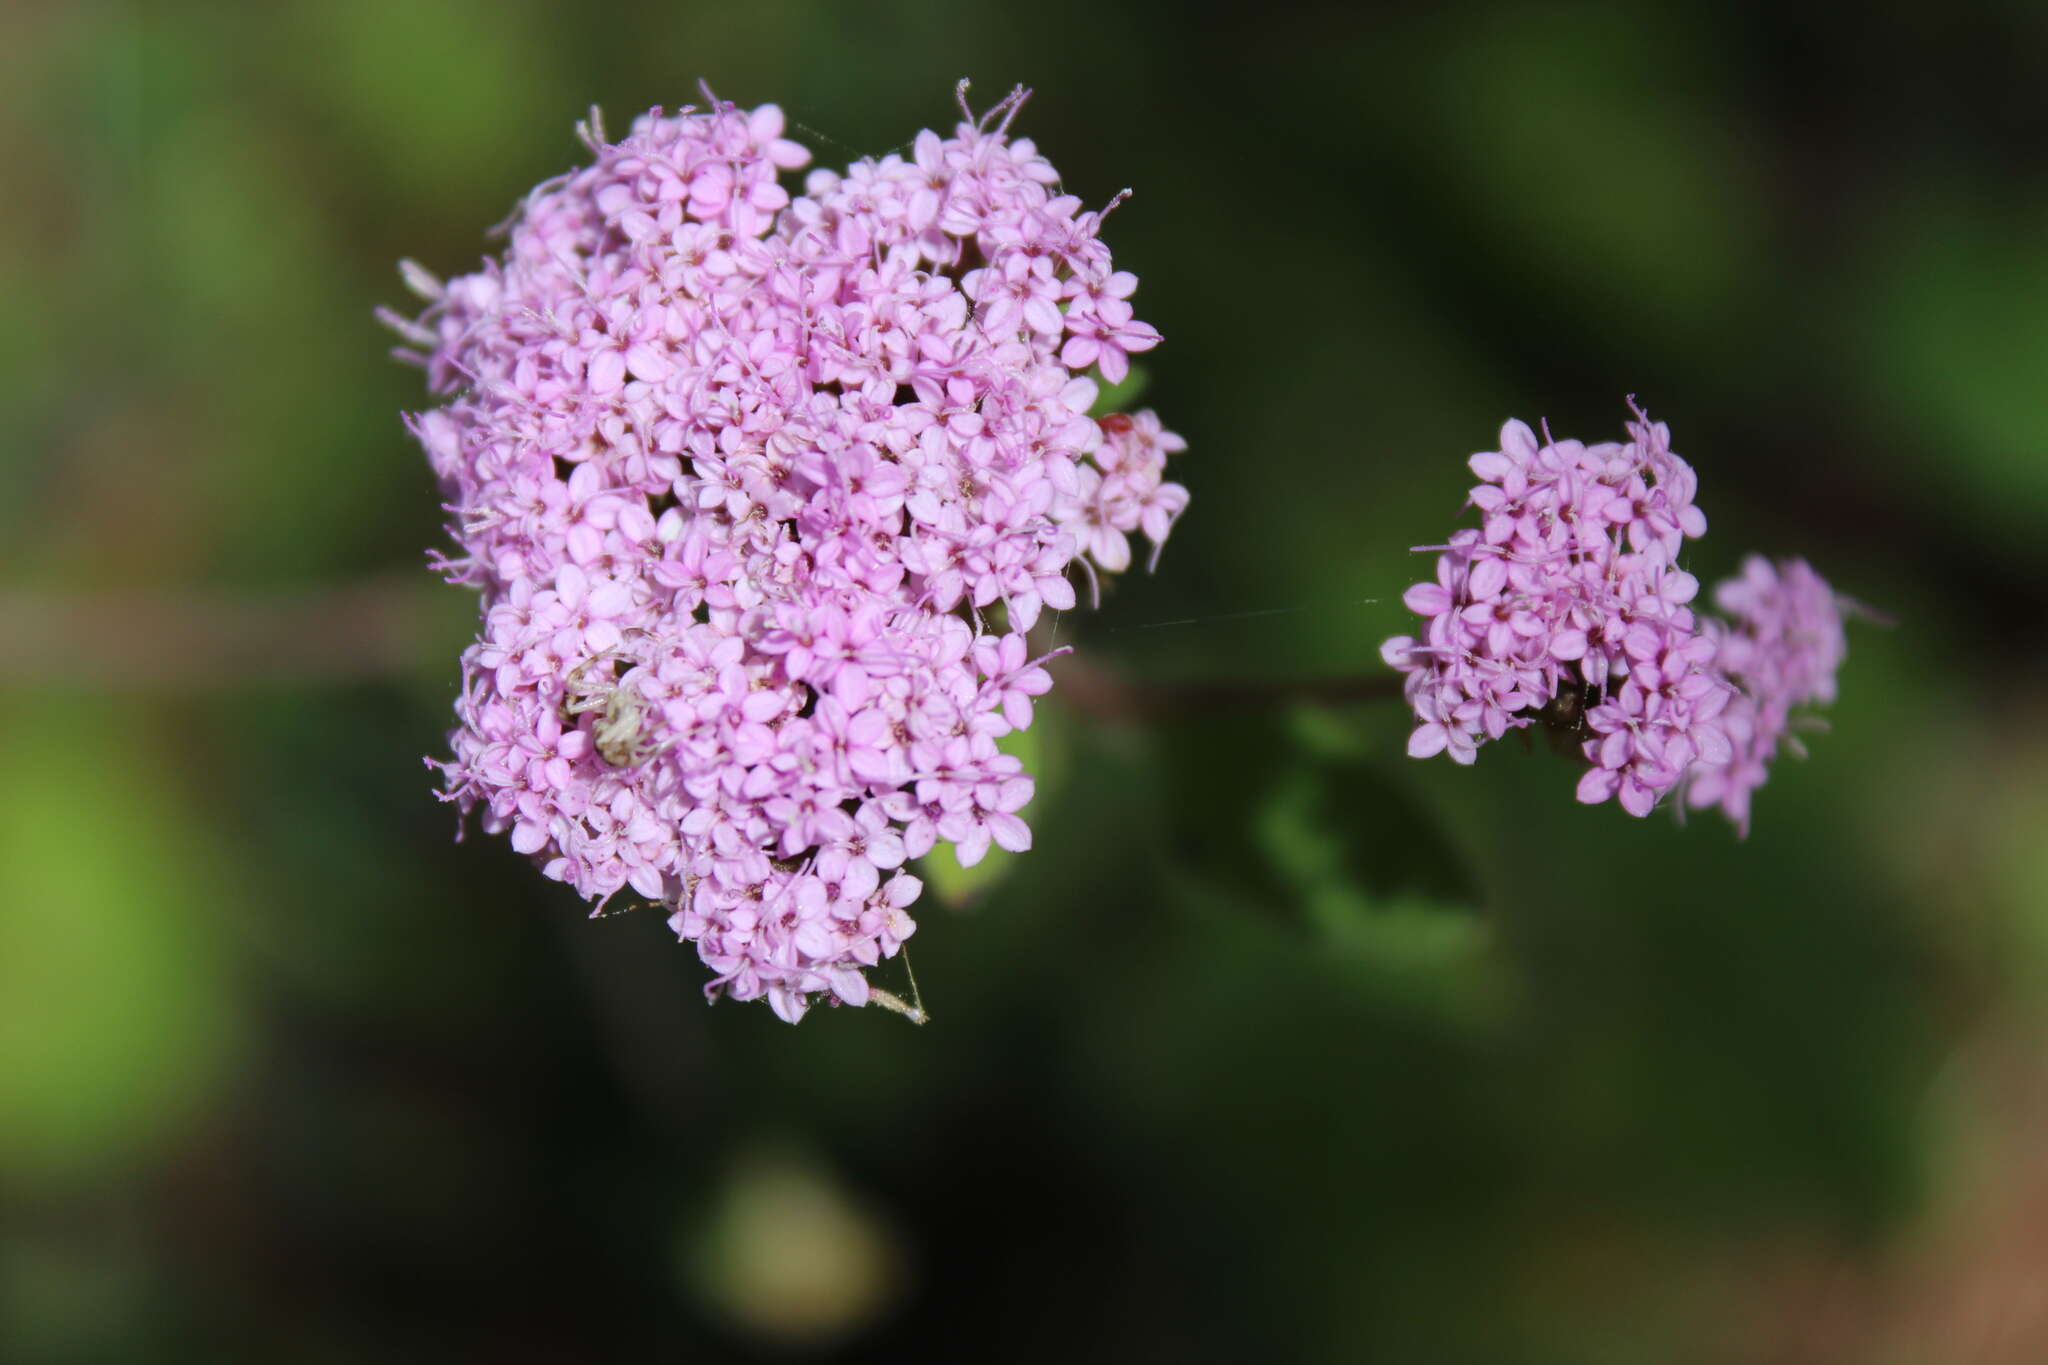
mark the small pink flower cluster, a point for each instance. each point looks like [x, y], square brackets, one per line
[1567, 605]
[742, 479]
[1780, 649]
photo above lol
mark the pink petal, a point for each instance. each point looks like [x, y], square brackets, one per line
[1596, 786]
[1428, 740]
[607, 372]
[1490, 466]
[1427, 599]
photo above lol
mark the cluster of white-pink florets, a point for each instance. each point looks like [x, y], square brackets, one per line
[1567, 605]
[761, 494]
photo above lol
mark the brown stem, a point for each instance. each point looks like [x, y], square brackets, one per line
[1095, 691]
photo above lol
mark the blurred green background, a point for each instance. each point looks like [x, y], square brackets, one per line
[1279, 1045]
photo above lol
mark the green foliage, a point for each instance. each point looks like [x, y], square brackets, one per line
[1122, 397]
[116, 1022]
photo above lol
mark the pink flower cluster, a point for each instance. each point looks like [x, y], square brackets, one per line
[761, 495]
[1567, 606]
[1779, 649]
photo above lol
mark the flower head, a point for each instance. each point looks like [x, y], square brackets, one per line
[1780, 648]
[761, 494]
[1570, 588]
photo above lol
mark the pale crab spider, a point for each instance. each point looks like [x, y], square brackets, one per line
[911, 1009]
[620, 733]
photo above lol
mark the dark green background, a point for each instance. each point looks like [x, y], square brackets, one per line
[1279, 1045]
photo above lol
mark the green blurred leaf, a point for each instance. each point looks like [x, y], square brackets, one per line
[958, 887]
[117, 1016]
[1287, 807]
[1305, 826]
[1121, 397]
